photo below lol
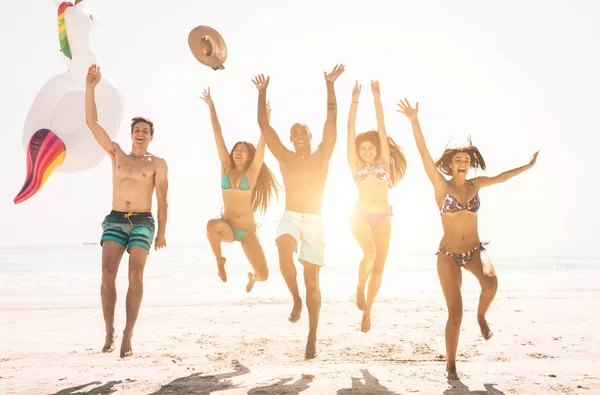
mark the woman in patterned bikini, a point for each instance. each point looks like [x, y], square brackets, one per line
[460, 246]
[247, 186]
[377, 165]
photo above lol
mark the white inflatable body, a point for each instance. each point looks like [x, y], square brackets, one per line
[60, 107]
[55, 134]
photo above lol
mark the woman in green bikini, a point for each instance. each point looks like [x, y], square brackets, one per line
[247, 185]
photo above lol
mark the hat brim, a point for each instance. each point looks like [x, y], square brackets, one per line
[214, 43]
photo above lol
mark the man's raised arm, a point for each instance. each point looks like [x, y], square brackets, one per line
[330, 128]
[270, 135]
[91, 115]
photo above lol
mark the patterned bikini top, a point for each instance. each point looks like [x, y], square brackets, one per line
[371, 171]
[452, 205]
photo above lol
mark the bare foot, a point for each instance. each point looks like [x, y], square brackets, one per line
[451, 372]
[311, 348]
[485, 329]
[251, 281]
[221, 266]
[296, 311]
[126, 350]
[109, 344]
[366, 322]
[361, 303]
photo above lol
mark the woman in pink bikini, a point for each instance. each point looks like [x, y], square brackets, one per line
[377, 165]
[460, 246]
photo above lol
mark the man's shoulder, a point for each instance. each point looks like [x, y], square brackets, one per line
[157, 159]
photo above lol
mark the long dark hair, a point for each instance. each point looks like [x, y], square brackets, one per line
[477, 162]
[266, 184]
[397, 159]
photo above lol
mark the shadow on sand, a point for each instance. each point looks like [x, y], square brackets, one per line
[102, 390]
[203, 385]
[370, 387]
[458, 388]
[283, 386]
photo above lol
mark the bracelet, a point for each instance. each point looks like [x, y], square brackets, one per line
[354, 102]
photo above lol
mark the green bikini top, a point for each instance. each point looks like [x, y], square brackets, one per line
[244, 184]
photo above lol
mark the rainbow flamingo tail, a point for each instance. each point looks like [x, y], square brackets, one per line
[45, 152]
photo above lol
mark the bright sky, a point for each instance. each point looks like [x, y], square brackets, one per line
[516, 76]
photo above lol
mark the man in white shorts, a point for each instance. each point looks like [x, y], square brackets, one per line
[304, 175]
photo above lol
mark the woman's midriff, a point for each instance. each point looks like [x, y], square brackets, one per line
[460, 232]
[237, 208]
[373, 196]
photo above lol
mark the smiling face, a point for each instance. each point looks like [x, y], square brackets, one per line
[460, 165]
[141, 134]
[300, 137]
[239, 154]
[367, 151]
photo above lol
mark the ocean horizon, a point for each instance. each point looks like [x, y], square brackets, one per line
[46, 276]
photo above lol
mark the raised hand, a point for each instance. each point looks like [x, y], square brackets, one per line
[93, 76]
[261, 82]
[406, 109]
[356, 91]
[336, 72]
[533, 159]
[207, 98]
[375, 89]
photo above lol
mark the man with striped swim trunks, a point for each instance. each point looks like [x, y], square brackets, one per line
[130, 225]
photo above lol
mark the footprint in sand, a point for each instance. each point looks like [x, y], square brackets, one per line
[422, 348]
[538, 355]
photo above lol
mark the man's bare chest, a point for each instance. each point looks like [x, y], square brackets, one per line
[135, 168]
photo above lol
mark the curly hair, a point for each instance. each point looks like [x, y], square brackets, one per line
[476, 162]
[397, 158]
[266, 183]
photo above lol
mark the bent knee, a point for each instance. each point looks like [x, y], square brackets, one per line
[212, 225]
[261, 275]
[286, 243]
[489, 282]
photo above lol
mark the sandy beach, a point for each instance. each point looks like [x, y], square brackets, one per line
[544, 342]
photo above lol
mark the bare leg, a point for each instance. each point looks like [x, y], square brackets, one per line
[286, 244]
[381, 235]
[256, 257]
[313, 303]
[481, 266]
[218, 230]
[364, 236]
[135, 292]
[112, 252]
[451, 281]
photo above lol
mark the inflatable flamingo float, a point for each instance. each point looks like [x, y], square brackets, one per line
[55, 135]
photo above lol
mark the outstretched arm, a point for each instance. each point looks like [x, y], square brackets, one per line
[434, 175]
[162, 186]
[259, 155]
[221, 147]
[352, 156]
[270, 135]
[91, 115]
[383, 139]
[481, 182]
[330, 128]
